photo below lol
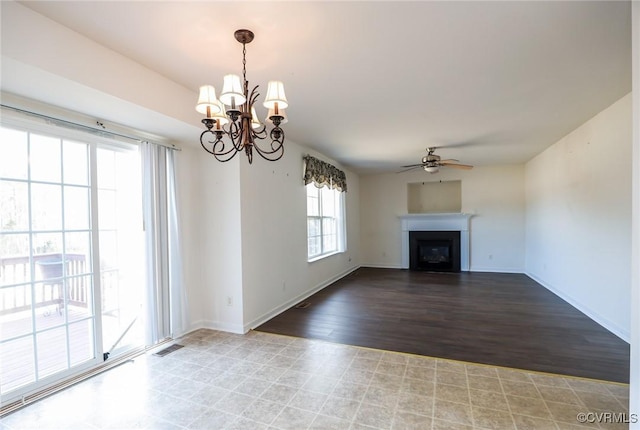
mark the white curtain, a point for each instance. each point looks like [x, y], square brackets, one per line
[179, 324]
[165, 299]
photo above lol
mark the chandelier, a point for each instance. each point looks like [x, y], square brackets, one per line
[233, 117]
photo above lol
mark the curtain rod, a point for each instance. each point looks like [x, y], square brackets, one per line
[75, 126]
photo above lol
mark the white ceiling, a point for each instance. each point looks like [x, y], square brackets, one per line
[372, 84]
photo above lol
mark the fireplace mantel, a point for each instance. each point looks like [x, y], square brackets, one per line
[436, 222]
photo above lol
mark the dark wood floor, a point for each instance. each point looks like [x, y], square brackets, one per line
[492, 318]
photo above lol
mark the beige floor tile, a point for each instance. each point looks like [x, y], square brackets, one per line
[492, 419]
[357, 376]
[448, 425]
[371, 354]
[522, 389]
[263, 381]
[364, 364]
[404, 420]
[263, 411]
[242, 423]
[269, 373]
[528, 406]
[376, 416]
[488, 399]
[558, 395]
[587, 385]
[279, 393]
[212, 419]
[418, 387]
[253, 387]
[599, 402]
[391, 368]
[320, 384]
[293, 419]
[234, 403]
[293, 378]
[420, 372]
[415, 404]
[484, 383]
[618, 390]
[452, 393]
[386, 381]
[420, 361]
[451, 378]
[394, 357]
[481, 370]
[349, 390]
[568, 413]
[453, 412]
[340, 408]
[451, 366]
[323, 422]
[568, 426]
[549, 380]
[308, 400]
[533, 423]
[228, 381]
[381, 396]
[208, 395]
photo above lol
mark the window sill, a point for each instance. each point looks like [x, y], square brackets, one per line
[320, 257]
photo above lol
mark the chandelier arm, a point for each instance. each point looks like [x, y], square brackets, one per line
[218, 146]
[235, 131]
[260, 133]
[277, 146]
[253, 97]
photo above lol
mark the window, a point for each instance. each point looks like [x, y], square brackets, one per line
[71, 254]
[325, 222]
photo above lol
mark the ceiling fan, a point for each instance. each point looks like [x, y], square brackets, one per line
[431, 163]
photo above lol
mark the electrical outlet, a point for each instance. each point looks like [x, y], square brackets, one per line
[229, 301]
[284, 286]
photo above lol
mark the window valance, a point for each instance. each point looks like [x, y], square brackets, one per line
[322, 173]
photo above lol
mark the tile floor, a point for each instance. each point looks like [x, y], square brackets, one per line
[265, 381]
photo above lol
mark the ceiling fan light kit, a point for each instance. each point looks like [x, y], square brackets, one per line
[233, 116]
[431, 163]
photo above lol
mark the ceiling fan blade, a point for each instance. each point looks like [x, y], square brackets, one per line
[413, 165]
[457, 166]
[448, 160]
[416, 166]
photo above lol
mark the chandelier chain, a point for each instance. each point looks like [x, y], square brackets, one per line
[244, 63]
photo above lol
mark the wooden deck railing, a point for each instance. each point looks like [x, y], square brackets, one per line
[53, 272]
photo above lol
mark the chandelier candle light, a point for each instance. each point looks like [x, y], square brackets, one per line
[234, 115]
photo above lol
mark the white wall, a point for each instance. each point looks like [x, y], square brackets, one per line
[495, 194]
[219, 258]
[275, 271]
[578, 228]
[634, 387]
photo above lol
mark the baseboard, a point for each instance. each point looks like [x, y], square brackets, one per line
[604, 322]
[283, 307]
[222, 326]
[382, 266]
[495, 270]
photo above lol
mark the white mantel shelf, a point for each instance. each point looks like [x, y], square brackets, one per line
[437, 222]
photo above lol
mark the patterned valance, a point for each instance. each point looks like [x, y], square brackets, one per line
[321, 174]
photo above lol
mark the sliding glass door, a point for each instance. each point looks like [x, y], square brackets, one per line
[71, 256]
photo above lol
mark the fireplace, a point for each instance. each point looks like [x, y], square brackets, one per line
[437, 251]
[436, 223]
